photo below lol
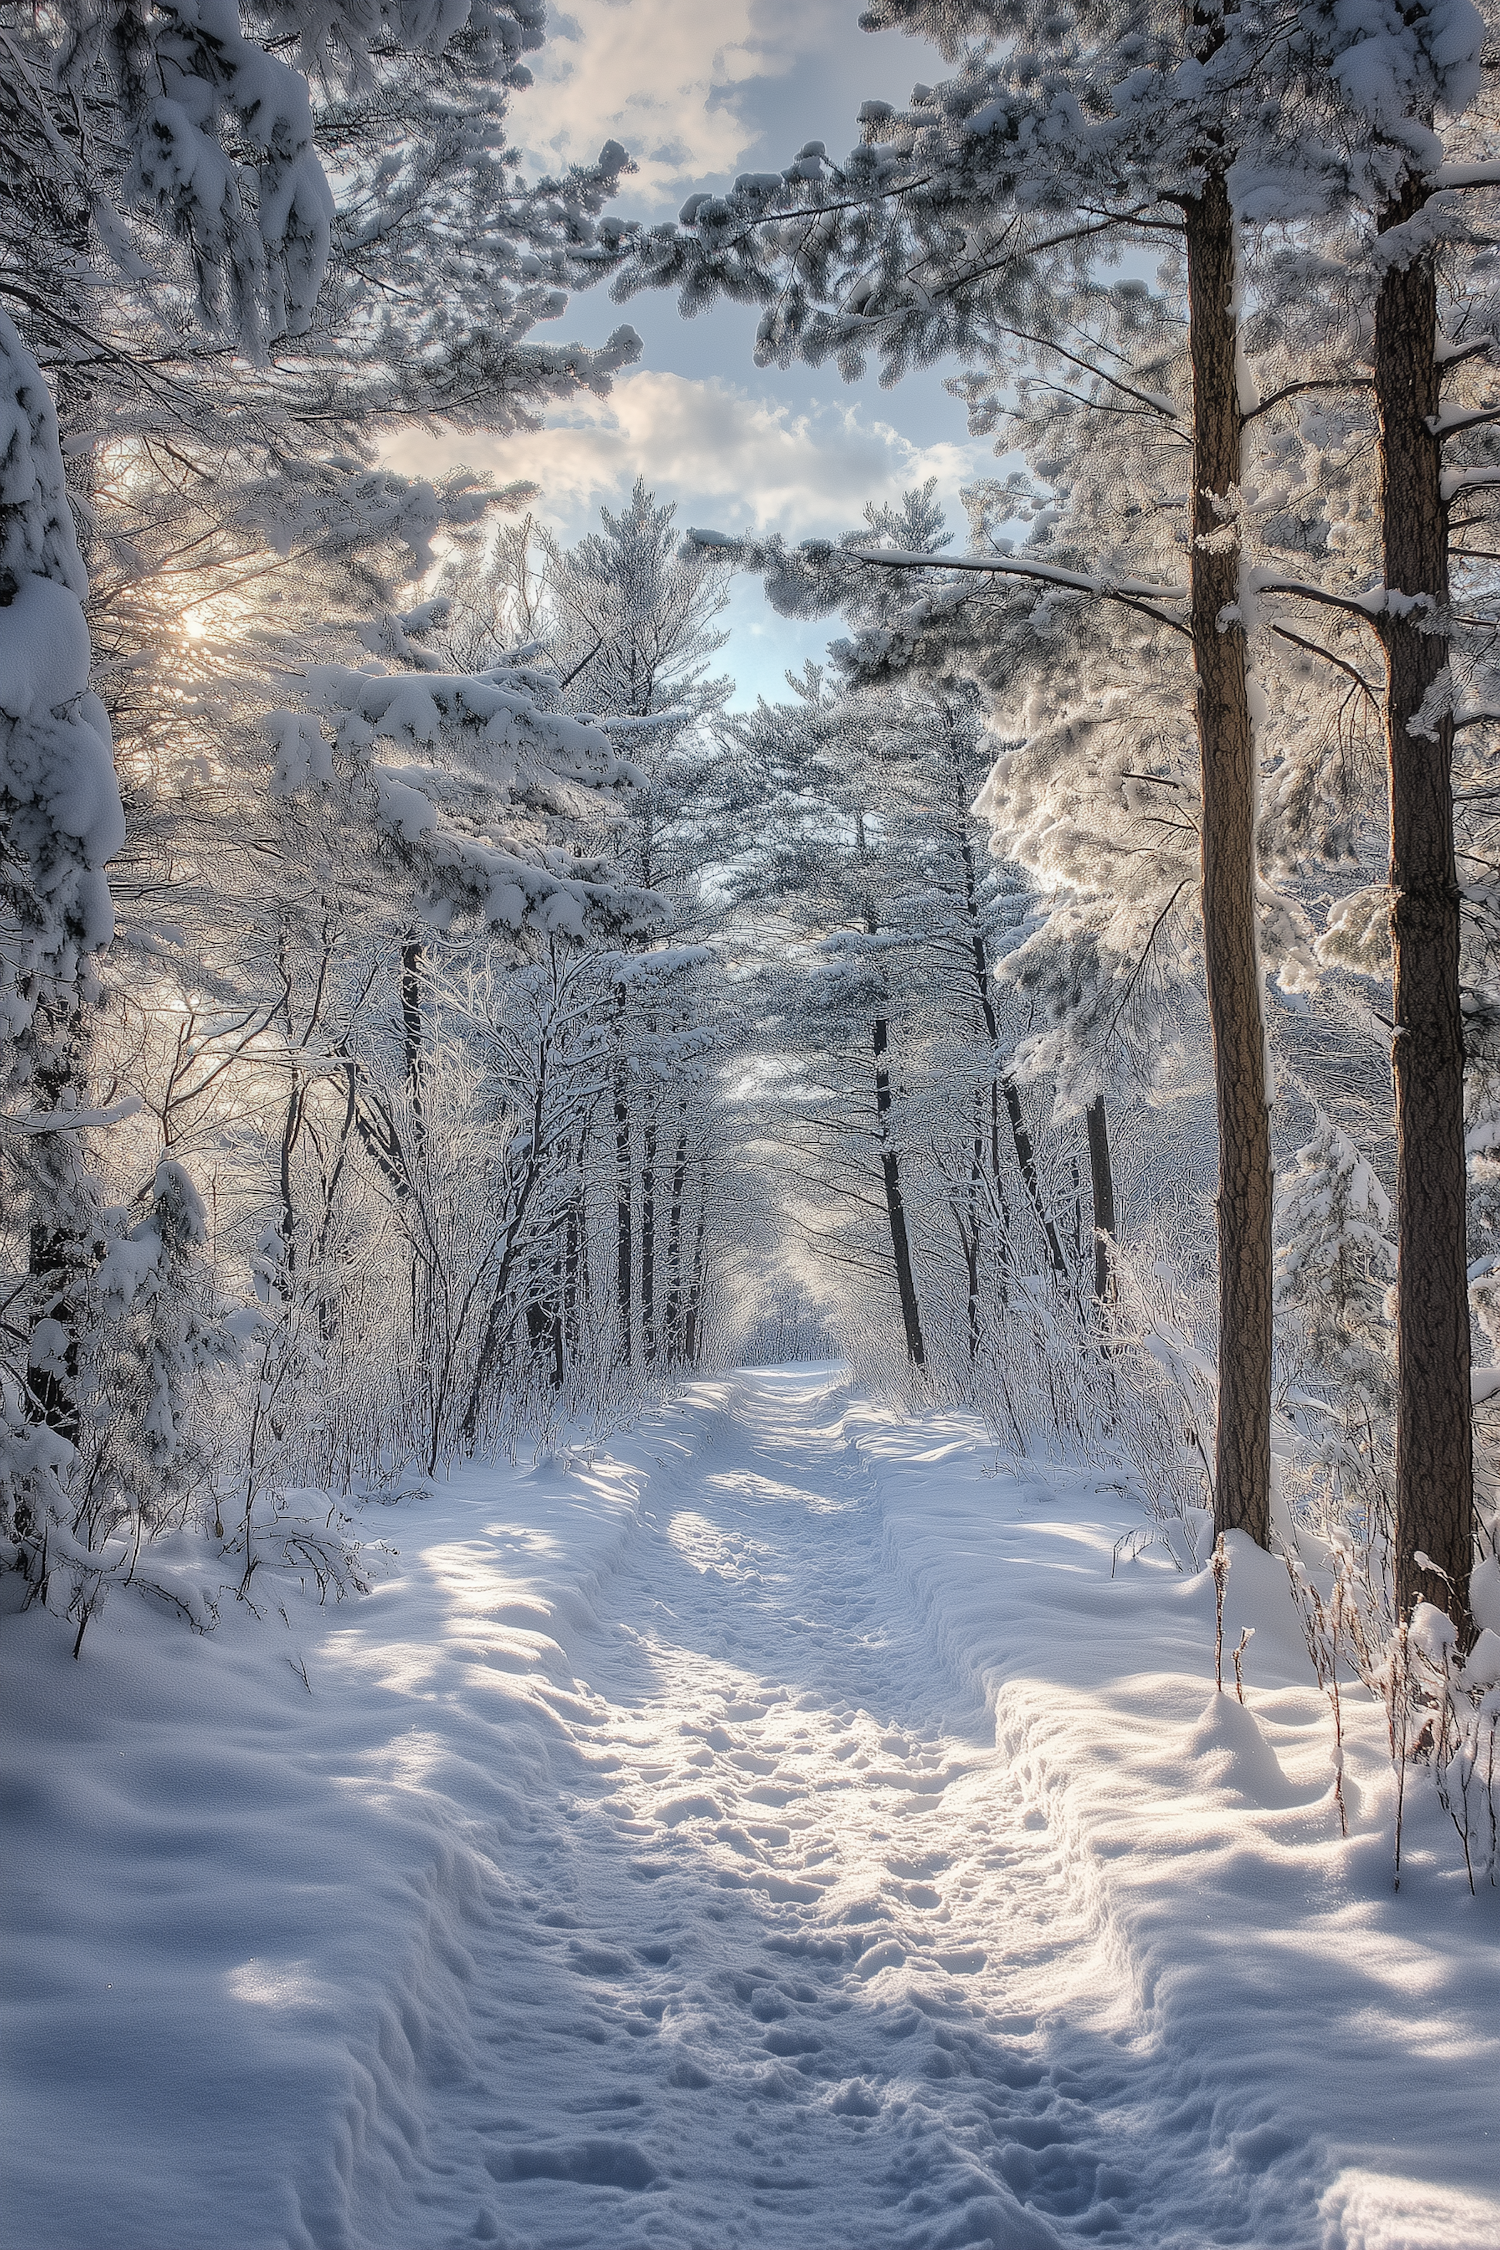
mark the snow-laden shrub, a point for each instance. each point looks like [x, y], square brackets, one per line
[1445, 1709]
[1335, 1263]
[60, 813]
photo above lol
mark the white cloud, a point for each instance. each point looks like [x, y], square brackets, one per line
[663, 77]
[737, 461]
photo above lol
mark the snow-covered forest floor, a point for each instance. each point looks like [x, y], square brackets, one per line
[787, 1825]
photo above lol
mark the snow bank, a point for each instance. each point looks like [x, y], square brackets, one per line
[249, 1868]
[1202, 1840]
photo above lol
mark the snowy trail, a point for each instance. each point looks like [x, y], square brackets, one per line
[770, 1970]
[772, 1828]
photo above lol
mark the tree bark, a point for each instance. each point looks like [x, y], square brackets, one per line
[1026, 1158]
[291, 1130]
[411, 1043]
[673, 1323]
[1242, 1464]
[623, 1245]
[1101, 1172]
[62, 1199]
[571, 1238]
[890, 1166]
[1004, 1083]
[692, 1330]
[648, 1234]
[1434, 1437]
[971, 1236]
[411, 1032]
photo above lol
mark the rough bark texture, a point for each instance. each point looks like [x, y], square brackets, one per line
[413, 964]
[1434, 1443]
[691, 1327]
[62, 1198]
[673, 1320]
[572, 1236]
[623, 1247]
[648, 1236]
[890, 1167]
[1242, 1465]
[1101, 1173]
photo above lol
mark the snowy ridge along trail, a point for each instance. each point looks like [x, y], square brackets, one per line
[763, 1975]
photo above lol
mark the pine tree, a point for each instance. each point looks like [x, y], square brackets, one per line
[973, 221]
[242, 244]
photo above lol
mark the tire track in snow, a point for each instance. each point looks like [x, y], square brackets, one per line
[770, 1972]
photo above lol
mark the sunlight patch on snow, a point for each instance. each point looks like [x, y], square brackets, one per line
[750, 1486]
[475, 1577]
[278, 1984]
[1366, 2211]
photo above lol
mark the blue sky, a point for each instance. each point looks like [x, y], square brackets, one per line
[698, 93]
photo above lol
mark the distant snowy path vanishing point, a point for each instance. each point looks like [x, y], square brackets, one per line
[776, 1964]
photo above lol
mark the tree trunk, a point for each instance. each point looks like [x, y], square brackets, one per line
[544, 1320]
[648, 1234]
[572, 1233]
[1102, 1174]
[411, 1033]
[674, 1242]
[890, 1166]
[585, 1275]
[411, 1044]
[623, 1245]
[1231, 951]
[1434, 1440]
[63, 1203]
[291, 1130]
[1004, 1240]
[691, 1333]
[559, 1317]
[1004, 1083]
[1026, 1159]
[972, 1236]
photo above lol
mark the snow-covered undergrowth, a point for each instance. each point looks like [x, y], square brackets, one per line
[251, 1864]
[1337, 2040]
[777, 1828]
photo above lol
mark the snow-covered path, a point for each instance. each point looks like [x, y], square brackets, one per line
[775, 1828]
[772, 1968]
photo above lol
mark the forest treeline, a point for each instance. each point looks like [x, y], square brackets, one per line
[432, 1014]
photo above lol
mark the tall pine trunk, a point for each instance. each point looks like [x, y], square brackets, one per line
[673, 1323]
[572, 1236]
[692, 1330]
[54, 1179]
[890, 1167]
[412, 965]
[1102, 1178]
[648, 1233]
[1242, 1463]
[1434, 1441]
[623, 1246]
[971, 1233]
